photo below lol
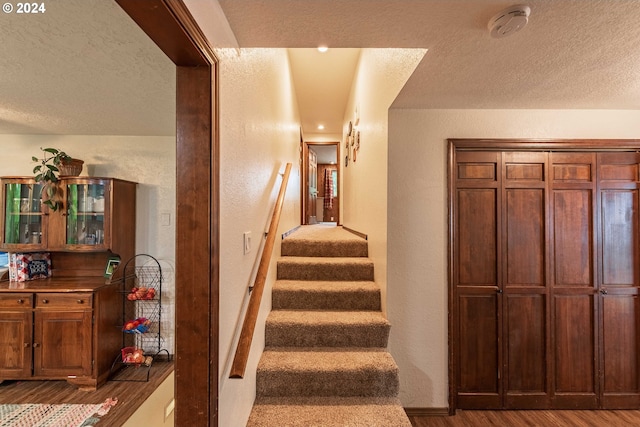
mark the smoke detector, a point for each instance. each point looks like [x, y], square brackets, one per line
[509, 21]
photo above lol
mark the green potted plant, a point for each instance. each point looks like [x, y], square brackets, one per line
[53, 164]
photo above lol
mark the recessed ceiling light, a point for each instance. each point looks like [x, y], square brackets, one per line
[320, 127]
[323, 49]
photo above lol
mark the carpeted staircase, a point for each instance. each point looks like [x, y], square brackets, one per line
[325, 363]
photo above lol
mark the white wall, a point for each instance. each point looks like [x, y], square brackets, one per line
[148, 160]
[156, 410]
[417, 222]
[380, 75]
[259, 134]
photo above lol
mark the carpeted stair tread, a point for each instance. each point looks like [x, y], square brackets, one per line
[325, 268]
[295, 328]
[351, 248]
[312, 295]
[324, 241]
[326, 372]
[328, 412]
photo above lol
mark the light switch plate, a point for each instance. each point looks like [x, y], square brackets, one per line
[247, 242]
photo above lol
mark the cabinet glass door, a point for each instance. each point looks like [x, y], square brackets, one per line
[23, 214]
[85, 214]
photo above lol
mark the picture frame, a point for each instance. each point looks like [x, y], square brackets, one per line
[111, 267]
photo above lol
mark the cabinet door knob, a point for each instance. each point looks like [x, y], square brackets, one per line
[35, 344]
[21, 301]
[45, 301]
[80, 301]
[26, 345]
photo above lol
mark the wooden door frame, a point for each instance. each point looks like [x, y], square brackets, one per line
[500, 145]
[305, 176]
[170, 25]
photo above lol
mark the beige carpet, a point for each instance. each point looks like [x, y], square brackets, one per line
[325, 363]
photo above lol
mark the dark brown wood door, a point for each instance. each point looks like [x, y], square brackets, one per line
[572, 264]
[618, 279]
[523, 235]
[15, 344]
[545, 277]
[478, 280]
[62, 343]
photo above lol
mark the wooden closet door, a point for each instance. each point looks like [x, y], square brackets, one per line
[545, 277]
[525, 297]
[476, 280]
[618, 279]
[573, 312]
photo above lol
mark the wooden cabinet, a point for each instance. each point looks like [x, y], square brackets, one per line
[62, 334]
[67, 326]
[545, 279]
[97, 214]
[16, 325]
[76, 332]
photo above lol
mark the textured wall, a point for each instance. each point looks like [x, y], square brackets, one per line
[260, 134]
[380, 75]
[149, 161]
[417, 222]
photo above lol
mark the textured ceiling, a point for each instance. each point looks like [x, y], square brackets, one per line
[83, 67]
[572, 54]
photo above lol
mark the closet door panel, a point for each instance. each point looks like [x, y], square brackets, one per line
[523, 260]
[621, 383]
[574, 352]
[525, 359]
[477, 244]
[476, 279]
[479, 343]
[572, 237]
[619, 230]
[525, 237]
[618, 282]
[573, 251]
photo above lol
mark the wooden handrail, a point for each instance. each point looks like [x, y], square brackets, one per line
[246, 335]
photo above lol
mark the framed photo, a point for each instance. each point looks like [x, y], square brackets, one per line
[112, 265]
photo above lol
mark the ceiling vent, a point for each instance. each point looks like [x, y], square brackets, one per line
[509, 21]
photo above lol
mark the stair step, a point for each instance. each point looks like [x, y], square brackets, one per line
[324, 241]
[296, 328]
[328, 268]
[344, 248]
[326, 372]
[328, 412]
[316, 295]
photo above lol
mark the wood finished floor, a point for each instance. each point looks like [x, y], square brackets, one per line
[465, 418]
[130, 394]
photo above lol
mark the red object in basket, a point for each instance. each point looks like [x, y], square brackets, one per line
[132, 355]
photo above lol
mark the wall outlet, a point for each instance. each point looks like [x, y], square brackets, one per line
[247, 242]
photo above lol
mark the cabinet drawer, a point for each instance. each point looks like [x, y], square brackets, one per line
[16, 301]
[70, 301]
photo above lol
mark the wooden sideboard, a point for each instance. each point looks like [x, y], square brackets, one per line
[59, 329]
